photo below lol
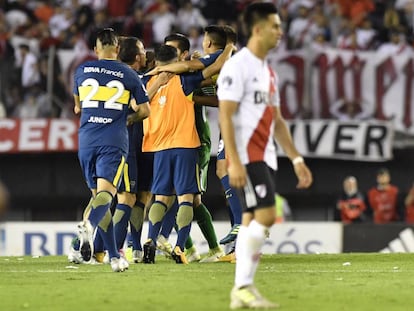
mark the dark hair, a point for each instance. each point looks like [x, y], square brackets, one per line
[128, 50]
[383, 171]
[183, 42]
[217, 35]
[256, 12]
[231, 34]
[107, 36]
[165, 53]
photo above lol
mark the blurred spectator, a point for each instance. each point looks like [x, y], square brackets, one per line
[163, 22]
[355, 10]
[350, 206]
[61, 20]
[196, 35]
[395, 45]
[117, 11]
[134, 24]
[409, 206]
[44, 11]
[28, 62]
[348, 110]
[383, 200]
[299, 34]
[366, 34]
[189, 16]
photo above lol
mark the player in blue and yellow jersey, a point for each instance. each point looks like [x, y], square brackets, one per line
[103, 92]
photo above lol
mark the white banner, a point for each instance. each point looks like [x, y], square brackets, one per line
[380, 85]
[54, 238]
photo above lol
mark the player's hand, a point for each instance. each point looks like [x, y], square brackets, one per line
[76, 109]
[237, 175]
[154, 71]
[164, 77]
[196, 55]
[304, 176]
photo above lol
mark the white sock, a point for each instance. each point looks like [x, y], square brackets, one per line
[248, 245]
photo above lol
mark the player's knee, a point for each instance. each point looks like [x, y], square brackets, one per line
[103, 198]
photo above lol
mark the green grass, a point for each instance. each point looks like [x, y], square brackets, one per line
[296, 282]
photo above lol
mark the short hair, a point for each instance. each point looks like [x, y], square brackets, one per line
[128, 50]
[217, 35]
[256, 12]
[107, 36]
[165, 53]
[183, 42]
[231, 34]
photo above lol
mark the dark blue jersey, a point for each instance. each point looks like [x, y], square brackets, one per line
[105, 88]
[208, 59]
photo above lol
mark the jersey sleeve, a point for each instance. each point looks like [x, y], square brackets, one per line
[75, 82]
[140, 92]
[191, 81]
[230, 82]
[208, 59]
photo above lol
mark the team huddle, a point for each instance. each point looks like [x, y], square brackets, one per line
[144, 145]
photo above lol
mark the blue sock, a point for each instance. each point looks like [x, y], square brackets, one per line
[168, 222]
[233, 200]
[98, 244]
[136, 232]
[109, 241]
[120, 219]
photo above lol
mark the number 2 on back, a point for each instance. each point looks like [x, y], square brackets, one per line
[111, 102]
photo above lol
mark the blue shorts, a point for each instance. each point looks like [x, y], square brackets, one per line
[260, 189]
[221, 154]
[176, 172]
[145, 164]
[105, 162]
[129, 179]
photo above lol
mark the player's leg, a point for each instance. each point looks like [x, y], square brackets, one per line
[231, 197]
[257, 219]
[162, 188]
[186, 186]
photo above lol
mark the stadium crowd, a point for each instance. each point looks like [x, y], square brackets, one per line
[33, 82]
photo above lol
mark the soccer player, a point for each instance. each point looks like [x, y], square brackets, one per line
[103, 91]
[170, 132]
[131, 198]
[250, 119]
[214, 43]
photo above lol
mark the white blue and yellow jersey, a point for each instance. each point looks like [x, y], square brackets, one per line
[105, 88]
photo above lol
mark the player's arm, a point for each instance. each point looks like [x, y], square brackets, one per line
[178, 67]
[206, 100]
[283, 137]
[215, 67]
[161, 80]
[142, 111]
[236, 170]
[77, 107]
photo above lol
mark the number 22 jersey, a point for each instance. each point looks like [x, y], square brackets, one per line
[105, 88]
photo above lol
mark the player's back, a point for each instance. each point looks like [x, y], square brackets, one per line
[104, 88]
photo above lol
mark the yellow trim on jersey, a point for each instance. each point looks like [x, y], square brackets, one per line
[104, 93]
[190, 96]
[119, 172]
[126, 178]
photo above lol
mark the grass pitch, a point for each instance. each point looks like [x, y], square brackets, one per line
[297, 282]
